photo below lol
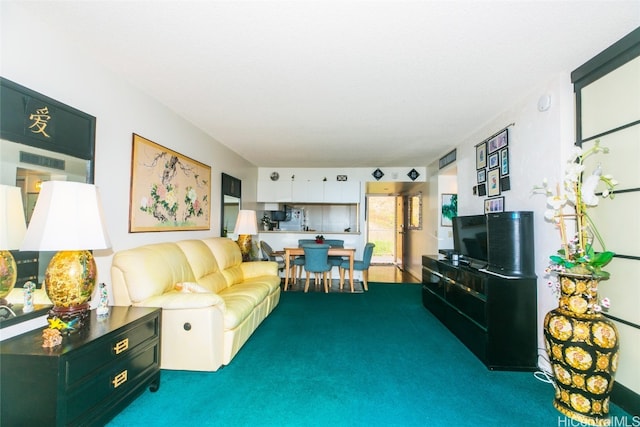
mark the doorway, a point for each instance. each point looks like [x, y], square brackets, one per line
[385, 228]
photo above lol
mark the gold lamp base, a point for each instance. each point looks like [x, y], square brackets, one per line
[8, 275]
[69, 282]
[244, 241]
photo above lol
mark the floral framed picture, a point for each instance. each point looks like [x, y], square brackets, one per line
[493, 160]
[493, 182]
[481, 155]
[169, 191]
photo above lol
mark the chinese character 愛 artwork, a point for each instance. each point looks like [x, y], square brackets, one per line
[169, 192]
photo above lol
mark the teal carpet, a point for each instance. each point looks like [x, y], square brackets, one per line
[373, 359]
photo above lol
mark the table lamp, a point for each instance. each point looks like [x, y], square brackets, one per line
[12, 229]
[68, 218]
[246, 225]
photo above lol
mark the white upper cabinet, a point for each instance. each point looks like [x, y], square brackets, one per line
[274, 191]
[341, 192]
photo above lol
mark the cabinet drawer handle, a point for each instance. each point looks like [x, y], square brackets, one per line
[120, 379]
[121, 346]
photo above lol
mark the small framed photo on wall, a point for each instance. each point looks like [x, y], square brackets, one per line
[482, 176]
[497, 142]
[493, 160]
[504, 162]
[481, 155]
[494, 205]
[493, 182]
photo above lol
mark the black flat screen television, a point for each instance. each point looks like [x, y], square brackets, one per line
[470, 238]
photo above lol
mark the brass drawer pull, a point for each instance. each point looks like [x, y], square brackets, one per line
[120, 379]
[121, 346]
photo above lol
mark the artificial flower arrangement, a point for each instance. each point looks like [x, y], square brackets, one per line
[577, 254]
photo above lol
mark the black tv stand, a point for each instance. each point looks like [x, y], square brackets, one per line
[495, 316]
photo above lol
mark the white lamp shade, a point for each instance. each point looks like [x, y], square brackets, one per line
[246, 223]
[68, 217]
[12, 223]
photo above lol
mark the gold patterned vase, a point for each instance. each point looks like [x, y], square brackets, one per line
[582, 345]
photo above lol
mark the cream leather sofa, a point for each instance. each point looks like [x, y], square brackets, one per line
[211, 301]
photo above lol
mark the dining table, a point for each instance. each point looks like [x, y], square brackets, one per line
[290, 253]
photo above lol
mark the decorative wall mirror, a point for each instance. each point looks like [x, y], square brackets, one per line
[230, 204]
[40, 140]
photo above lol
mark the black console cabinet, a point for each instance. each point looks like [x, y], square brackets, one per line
[494, 316]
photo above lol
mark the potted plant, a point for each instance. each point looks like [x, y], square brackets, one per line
[319, 238]
[581, 343]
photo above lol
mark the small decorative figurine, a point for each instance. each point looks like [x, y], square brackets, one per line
[29, 288]
[52, 337]
[103, 305]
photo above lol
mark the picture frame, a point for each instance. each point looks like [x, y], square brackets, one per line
[493, 160]
[482, 190]
[504, 162]
[482, 176]
[494, 205]
[169, 191]
[493, 182]
[497, 142]
[481, 155]
[448, 209]
[505, 183]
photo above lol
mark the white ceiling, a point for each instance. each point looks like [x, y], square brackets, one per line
[340, 83]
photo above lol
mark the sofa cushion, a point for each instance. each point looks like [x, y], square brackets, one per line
[203, 264]
[152, 270]
[238, 308]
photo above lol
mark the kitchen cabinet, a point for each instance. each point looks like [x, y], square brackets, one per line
[341, 192]
[274, 191]
[307, 191]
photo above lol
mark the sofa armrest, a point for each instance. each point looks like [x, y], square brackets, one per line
[252, 269]
[182, 300]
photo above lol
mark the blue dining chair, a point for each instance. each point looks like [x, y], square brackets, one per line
[298, 262]
[360, 265]
[316, 260]
[335, 261]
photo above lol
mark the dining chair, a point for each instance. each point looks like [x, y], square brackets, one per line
[269, 254]
[335, 261]
[298, 262]
[316, 260]
[360, 265]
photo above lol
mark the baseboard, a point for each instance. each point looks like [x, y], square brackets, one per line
[626, 398]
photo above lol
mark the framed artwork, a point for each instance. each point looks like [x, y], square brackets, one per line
[494, 205]
[482, 190]
[169, 191]
[481, 155]
[449, 209]
[493, 160]
[493, 182]
[505, 183]
[497, 142]
[504, 162]
[482, 176]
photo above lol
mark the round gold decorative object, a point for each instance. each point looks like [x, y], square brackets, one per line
[582, 346]
[69, 281]
[8, 274]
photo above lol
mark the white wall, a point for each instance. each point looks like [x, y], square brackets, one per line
[538, 147]
[36, 56]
